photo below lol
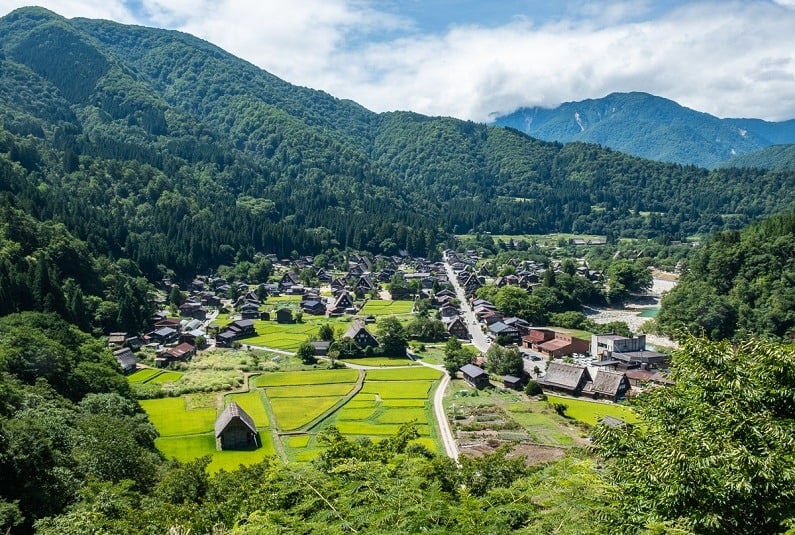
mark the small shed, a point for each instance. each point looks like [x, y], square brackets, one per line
[475, 376]
[284, 315]
[235, 430]
[512, 382]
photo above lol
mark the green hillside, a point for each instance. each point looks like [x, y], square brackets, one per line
[159, 147]
[776, 157]
[650, 127]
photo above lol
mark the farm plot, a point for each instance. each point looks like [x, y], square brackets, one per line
[293, 413]
[252, 403]
[398, 389]
[386, 307]
[143, 375]
[591, 412]
[381, 361]
[171, 417]
[188, 448]
[166, 377]
[310, 377]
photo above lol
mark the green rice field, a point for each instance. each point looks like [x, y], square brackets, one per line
[308, 391]
[382, 361]
[143, 375]
[309, 377]
[398, 389]
[591, 412]
[188, 448]
[171, 417]
[417, 373]
[292, 413]
[166, 377]
[378, 307]
[252, 403]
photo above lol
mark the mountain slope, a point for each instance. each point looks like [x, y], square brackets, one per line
[156, 146]
[775, 157]
[650, 127]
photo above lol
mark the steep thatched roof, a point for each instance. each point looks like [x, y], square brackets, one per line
[232, 412]
[565, 375]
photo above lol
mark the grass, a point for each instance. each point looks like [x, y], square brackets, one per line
[591, 412]
[398, 389]
[402, 415]
[404, 374]
[188, 448]
[171, 417]
[354, 413]
[252, 403]
[374, 429]
[142, 376]
[166, 377]
[308, 391]
[382, 361]
[298, 441]
[377, 307]
[309, 377]
[292, 413]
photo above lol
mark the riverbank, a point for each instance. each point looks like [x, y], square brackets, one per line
[631, 314]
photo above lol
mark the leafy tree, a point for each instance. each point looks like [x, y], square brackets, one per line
[306, 352]
[392, 336]
[504, 360]
[714, 453]
[456, 356]
[326, 332]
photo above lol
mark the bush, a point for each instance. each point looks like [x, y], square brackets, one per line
[560, 408]
[533, 388]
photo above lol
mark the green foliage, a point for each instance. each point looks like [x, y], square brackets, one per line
[504, 360]
[714, 453]
[306, 352]
[533, 388]
[393, 338]
[737, 285]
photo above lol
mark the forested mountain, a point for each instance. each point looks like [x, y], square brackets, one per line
[651, 127]
[776, 157]
[739, 284]
[156, 146]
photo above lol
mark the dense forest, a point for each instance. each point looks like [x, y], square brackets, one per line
[739, 284]
[161, 148]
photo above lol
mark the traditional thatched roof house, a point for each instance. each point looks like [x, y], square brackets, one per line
[235, 430]
[566, 378]
[359, 333]
[458, 329]
[608, 385]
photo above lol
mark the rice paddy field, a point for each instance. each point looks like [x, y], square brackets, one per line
[386, 308]
[289, 408]
[591, 412]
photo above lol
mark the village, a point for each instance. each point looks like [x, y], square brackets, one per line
[217, 316]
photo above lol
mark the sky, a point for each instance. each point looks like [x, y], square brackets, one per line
[475, 59]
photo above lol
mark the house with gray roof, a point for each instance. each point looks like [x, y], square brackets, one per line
[235, 429]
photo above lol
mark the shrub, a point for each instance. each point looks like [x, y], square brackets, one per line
[533, 388]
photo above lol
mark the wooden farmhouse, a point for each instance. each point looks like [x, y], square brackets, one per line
[475, 376]
[235, 430]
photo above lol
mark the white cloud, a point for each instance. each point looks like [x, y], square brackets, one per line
[726, 58]
[97, 9]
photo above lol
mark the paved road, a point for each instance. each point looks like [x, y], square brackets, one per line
[450, 446]
[478, 338]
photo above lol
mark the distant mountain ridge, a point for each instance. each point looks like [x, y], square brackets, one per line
[775, 157]
[650, 127]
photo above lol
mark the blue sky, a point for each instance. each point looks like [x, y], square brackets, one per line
[473, 59]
